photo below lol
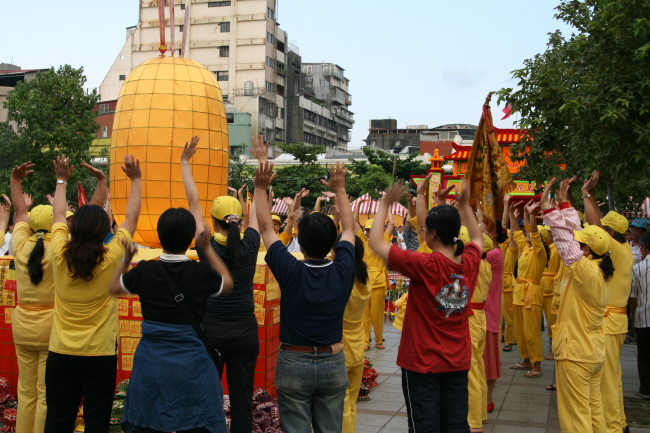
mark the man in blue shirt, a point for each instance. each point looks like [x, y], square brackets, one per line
[311, 377]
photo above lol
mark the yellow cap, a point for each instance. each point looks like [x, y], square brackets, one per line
[487, 243]
[224, 206]
[68, 214]
[543, 231]
[368, 224]
[616, 222]
[595, 238]
[40, 217]
[463, 235]
[331, 216]
[276, 218]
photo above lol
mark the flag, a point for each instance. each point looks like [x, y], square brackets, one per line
[82, 198]
[487, 171]
[507, 111]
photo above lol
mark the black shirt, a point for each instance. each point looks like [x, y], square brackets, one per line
[240, 300]
[195, 280]
[314, 294]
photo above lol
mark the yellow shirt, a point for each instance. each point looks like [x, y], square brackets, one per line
[32, 320]
[285, 237]
[376, 266]
[578, 334]
[401, 313]
[509, 261]
[555, 305]
[532, 262]
[477, 321]
[550, 273]
[85, 313]
[620, 286]
[353, 335]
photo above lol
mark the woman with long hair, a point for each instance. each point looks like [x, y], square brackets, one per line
[353, 333]
[578, 334]
[32, 318]
[82, 361]
[230, 321]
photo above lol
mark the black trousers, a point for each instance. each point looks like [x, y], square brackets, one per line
[68, 378]
[237, 339]
[643, 358]
[436, 403]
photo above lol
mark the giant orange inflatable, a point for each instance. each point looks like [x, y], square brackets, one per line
[162, 104]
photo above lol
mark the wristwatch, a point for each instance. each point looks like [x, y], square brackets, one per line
[586, 196]
[59, 181]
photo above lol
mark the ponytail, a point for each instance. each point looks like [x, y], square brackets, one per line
[233, 240]
[606, 265]
[460, 247]
[35, 265]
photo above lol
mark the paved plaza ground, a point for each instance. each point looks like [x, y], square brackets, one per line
[522, 405]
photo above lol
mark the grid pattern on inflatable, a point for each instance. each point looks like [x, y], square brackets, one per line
[162, 104]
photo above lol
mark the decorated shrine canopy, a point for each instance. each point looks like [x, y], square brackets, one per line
[279, 207]
[371, 206]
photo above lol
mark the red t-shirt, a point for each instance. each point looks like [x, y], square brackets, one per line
[435, 335]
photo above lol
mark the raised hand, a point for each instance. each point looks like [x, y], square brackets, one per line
[590, 184]
[129, 251]
[260, 149]
[441, 194]
[563, 192]
[288, 201]
[533, 208]
[23, 170]
[50, 199]
[264, 175]
[132, 167]
[62, 168]
[506, 199]
[240, 192]
[99, 175]
[338, 172]
[233, 191]
[463, 196]
[394, 192]
[422, 186]
[329, 194]
[190, 149]
[6, 206]
[29, 200]
[546, 196]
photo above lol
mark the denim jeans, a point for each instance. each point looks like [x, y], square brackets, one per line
[311, 390]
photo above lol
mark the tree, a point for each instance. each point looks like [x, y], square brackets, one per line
[403, 170]
[307, 174]
[239, 172]
[51, 115]
[585, 101]
[374, 181]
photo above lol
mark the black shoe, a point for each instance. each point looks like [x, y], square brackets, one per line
[626, 429]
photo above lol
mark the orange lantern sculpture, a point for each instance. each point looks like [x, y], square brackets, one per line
[162, 104]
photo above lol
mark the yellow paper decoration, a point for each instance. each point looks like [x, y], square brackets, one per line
[162, 104]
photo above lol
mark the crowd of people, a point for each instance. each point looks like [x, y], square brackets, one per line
[473, 281]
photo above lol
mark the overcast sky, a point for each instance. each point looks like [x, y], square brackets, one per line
[422, 62]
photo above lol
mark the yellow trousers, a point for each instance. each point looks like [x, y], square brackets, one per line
[611, 386]
[509, 318]
[375, 312]
[477, 387]
[579, 405]
[528, 331]
[31, 388]
[355, 374]
[550, 317]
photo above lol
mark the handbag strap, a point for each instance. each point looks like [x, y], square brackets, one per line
[180, 300]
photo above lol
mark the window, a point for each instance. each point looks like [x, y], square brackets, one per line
[180, 28]
[222, 76]
[224, 27]
[225, 98]
[183, 7]
[122, 77]
[281, 113]
[269, 86]
[104, 131]
[269, 62]
[270, 38]
[279, 90]
[104, 108]
[224, 51]
[270, 13]
[218, 4]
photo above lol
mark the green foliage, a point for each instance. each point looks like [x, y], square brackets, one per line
[586, 100]
[53, 115]
[403, 170]
[290, 179]
[374, 181]
[305, 153]
[239, 172]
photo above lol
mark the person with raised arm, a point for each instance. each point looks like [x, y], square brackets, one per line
[578, 334]
[82, 359]
[527, 294]
[314, 296]
[510, 256]
[616, 321]
[435, 349]
[182, 393]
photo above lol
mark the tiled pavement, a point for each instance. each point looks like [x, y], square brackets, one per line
[522, 405]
